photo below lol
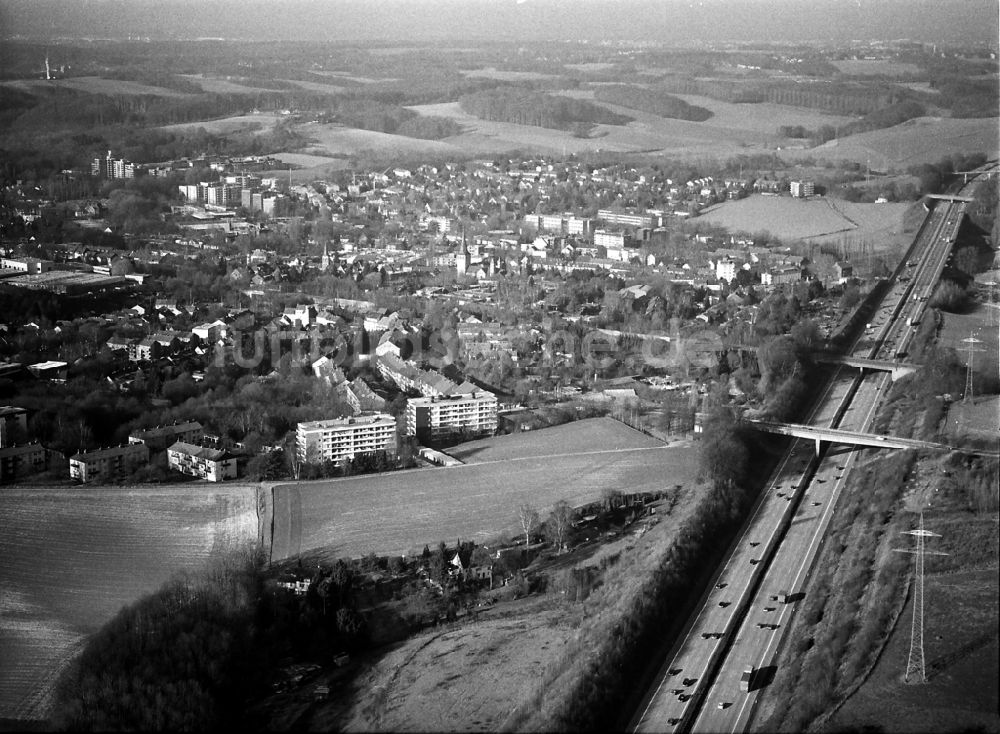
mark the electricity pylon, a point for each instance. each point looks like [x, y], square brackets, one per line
[915, 661]
[972, 342]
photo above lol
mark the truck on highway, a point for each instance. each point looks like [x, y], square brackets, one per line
[746, 680]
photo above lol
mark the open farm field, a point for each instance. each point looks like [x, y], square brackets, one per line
[921, 140]
[399, 512]
[876, 67]
[346, 75]
[813, 218]
[317, 87]
[73, 557]
[223, 86]
[648, 133]
[95, 85]
[595, 434]
[227, 125]
[337, 140]
[507, 76]
[307, 160]
[961, 658]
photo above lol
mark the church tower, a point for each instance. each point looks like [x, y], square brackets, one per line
[324, 263]
[462, 259]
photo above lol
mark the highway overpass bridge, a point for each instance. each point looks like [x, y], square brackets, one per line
[855, 438]
[896, 369]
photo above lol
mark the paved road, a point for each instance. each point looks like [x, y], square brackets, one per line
[741, 620]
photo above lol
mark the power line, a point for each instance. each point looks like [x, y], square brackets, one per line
[915, 662]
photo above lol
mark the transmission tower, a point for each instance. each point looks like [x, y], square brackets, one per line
[915, 661]
[972, 342]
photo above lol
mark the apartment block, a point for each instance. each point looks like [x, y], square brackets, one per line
[161, 437]
[105, 464]
[13, 425]
[344, 438]
[19, 461]
[475, 413]
[802, 189]
[210, 464]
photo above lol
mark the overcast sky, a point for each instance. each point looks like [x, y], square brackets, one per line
[672, 21]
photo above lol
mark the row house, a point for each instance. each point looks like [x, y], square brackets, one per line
[161, 437]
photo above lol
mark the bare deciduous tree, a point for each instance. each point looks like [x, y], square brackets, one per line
[528, 516]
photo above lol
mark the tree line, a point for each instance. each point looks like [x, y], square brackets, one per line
[651, 100]
[522, 107]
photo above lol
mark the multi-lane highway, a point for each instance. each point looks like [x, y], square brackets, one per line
[748, 607]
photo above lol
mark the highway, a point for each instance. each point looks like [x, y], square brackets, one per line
[743, 616]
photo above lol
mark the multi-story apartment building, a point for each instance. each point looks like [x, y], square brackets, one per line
[603, 238]
[109, 167]
[613, 216]
[210, 464]
[19, 461]
[475, 413]
[161, 437]
[104, 464]
[13, 425]
[802, 189]
[344, 438]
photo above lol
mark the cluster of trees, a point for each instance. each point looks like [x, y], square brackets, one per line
[839, 98]
[524, 107]
[371, 113]
[650, 100]
[180, 659]
[934, 177]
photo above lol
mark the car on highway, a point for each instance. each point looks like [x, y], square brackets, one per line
[673, 671]
[720, 585]
[723, 704]
[754, 561]
[723, 604]
[684, 697]
[673, 721]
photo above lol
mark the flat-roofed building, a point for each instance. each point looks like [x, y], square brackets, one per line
[102, 465]
[20, 461]
[474, 413]
[161, 437]
[210, 464]
[13, 425]
[29, 265]
[344, 438]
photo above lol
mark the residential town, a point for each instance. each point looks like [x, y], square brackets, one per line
[457, 287]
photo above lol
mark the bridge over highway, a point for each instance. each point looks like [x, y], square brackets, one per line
[854, 438]
[894, 368]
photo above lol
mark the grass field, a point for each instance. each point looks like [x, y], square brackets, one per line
[399, 512]
[921, 140]
[73, 557]
[732, 130]
[602, 434]
[263, 122]
[222, 86]
[95, 85]
[339, 140]
[961, 654]
[815, 218]
[507, 76]
[876, 67]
